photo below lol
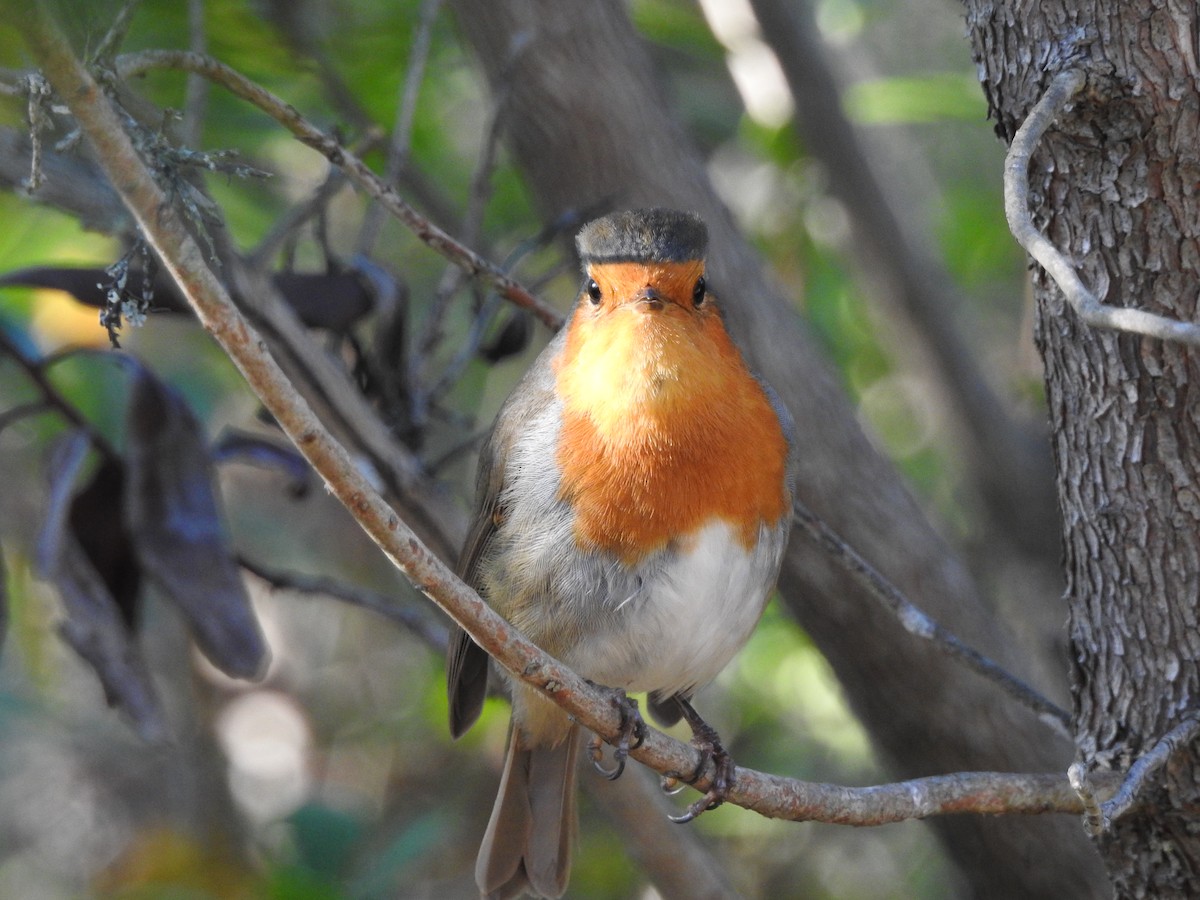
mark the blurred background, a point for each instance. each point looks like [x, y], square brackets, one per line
[333, 776]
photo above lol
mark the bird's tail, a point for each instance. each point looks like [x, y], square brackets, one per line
[527, 845]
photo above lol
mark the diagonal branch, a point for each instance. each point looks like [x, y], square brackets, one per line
[1062, 90]
[434, 634]
[400, 146]
[917, 622]
[1099, 816]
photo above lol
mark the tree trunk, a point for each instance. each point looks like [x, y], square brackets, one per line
[1113, 185]
[587, 123]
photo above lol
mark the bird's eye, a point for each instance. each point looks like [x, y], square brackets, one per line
[699, 291]
[593, 291]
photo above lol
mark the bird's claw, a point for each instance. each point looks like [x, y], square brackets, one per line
[671, 784]
[596, 752]
[630, 737]
[708, 742]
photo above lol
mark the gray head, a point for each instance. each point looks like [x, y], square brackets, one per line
[643, 235]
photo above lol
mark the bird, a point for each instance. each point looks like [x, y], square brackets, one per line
[633, 504]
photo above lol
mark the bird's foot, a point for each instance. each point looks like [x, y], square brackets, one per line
[708, 742]
[630, 737]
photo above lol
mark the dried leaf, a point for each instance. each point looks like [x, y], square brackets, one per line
[332, 300]
[95, 519]
[175, 521]
[95, 629]
[94, 625]
[66, 460]
[248, 448]
[90, 285]
[512, 339]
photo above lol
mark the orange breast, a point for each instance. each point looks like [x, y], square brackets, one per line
[663, 430]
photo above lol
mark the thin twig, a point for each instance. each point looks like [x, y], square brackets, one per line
[400, 147]
[15, 414]
[1147, 764]
[451, 281]
[916, 622]
[115, 36]
[35, 370]
[292, 219]
[195, 91]
[435, 635]
[1065, 86]
[39, 93]
[134, 64]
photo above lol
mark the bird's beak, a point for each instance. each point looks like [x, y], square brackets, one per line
[650, 297]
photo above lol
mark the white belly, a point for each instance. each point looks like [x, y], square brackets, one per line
[688, 618]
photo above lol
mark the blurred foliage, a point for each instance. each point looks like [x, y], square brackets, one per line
[932, 98]
[334, 777]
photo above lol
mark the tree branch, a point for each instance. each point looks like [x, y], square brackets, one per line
[1062, 90]
[400, 145]
[434, 634]
[35, 370]
[918, 623]
[1099, 817]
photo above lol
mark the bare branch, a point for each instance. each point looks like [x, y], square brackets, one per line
[115, 36]
[918, 623]
[39, 93]
[401, 142]
[1065, 86]
[422, 394]
[1149, 763]
[432, 633]
[35, 370]
[195, 102]
[134, 64]
[286, 225]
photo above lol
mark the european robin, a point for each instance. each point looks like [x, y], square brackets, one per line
[634, 500]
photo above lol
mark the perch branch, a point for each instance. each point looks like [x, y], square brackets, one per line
[590, 705]
[1065, 86]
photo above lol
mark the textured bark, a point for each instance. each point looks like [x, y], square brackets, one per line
[588, 124]
[1114, 187]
